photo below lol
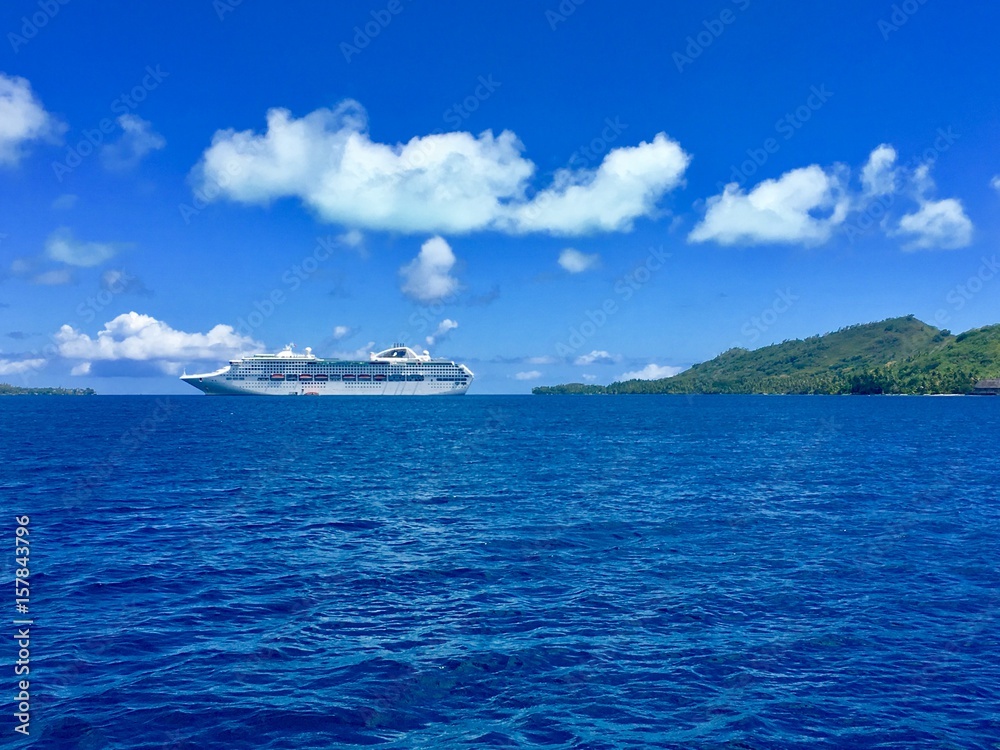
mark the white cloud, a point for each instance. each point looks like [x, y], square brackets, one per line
[56, 277]
[341, 332]
[427, 277]
[936, 224]
[62, 246]
[597, 357]
[353, 238]
[544, 360]
[18, 367]
[137, 140]
[626, 186]
[878, 176]
[65, 202]
[22, 119]
[651, 372]
[576, 262]
[448, 182]
[81, 369]
[135, 337]
[444, 328]
[529, 375]
[802, 206]
[995, 182]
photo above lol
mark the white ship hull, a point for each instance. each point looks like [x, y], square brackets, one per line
[395, 372]
[214, 386]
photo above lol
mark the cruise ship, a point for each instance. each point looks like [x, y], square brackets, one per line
[397, 371]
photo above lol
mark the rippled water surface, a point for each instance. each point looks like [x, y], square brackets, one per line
[708, 572]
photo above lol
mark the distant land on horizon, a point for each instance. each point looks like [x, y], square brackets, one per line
[902, 356]
[6, 389]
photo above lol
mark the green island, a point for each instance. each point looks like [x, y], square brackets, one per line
[895, 356]
[12, 390]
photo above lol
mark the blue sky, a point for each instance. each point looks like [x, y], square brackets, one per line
[550, 191]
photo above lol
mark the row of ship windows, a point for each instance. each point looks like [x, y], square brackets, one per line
[359, 366]
[362, 378]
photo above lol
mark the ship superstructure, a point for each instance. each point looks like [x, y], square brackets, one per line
[397, 371]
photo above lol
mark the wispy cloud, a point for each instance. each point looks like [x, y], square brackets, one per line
[23, 120]
[445, 327]
[64, 247]
[597, 357]
[574, 261]
[651, 372]
[20, 366]
[137, 141]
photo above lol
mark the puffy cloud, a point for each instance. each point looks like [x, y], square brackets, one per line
[878, 176]
[62, 246]
[137, 140]
[142, 338]
[81, 369]
[651, 372]
[445, 327]
[597, 357]
[802, 206]
[19, 366]
[427, 277]
[529, 375]
[936, 224]
[626, 186]
[447, 182]
[22, 119]
[995, 182]
[576, 262]
[341, 332]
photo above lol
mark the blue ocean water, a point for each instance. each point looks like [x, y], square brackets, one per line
[567, 572]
